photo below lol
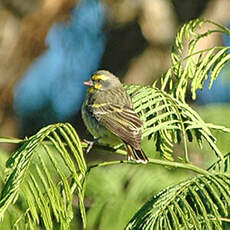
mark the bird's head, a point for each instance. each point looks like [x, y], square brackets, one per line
[102, 80]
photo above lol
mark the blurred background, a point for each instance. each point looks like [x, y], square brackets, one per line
[49, 47]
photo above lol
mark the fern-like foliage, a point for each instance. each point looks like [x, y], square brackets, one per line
[198, 203]
[221, 166]
[191, 66]
[167, 120]
[13, 212]
[46, 170]
[167, 117]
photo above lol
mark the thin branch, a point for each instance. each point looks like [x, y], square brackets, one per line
[11, 140]
[203, 51]
[225, 29]
[187, 166]
[218, 127]
[225, 219]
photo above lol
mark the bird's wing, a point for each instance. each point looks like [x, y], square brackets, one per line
[122, 121]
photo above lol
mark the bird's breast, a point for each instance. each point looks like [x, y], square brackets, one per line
[96, 129]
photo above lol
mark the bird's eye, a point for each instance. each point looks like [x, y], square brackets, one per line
[95, 81]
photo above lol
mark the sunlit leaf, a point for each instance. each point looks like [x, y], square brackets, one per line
[198, 203]
[46, 171]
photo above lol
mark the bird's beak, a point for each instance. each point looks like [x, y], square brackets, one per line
[88, 83]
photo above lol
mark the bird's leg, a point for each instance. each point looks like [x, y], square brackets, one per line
[90, 143]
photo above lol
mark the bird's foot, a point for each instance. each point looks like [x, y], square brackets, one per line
[90, 144]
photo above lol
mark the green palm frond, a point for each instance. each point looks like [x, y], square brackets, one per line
[13, 211]
[221, 166]
[198, 203]
[167, 117]
[167, 120]
[192, 66]
[3, 159]
[46, 170]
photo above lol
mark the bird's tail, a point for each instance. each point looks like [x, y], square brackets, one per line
[137, 155]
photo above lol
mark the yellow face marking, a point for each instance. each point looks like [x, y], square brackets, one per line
[91, 90]
[100, 77]
[97, 86]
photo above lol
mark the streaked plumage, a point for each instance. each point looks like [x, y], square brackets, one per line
[109, 115]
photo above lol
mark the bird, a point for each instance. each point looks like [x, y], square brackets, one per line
[109, 115]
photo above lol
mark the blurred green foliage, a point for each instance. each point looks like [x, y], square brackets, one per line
[116, 192]
[218, 114]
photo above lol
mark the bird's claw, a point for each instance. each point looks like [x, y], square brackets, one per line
[90, 144]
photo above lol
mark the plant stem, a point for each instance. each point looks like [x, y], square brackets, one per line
[157, 162]
[11, 140]
[225, 219]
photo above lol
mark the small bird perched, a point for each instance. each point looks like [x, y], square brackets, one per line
[109, 115]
